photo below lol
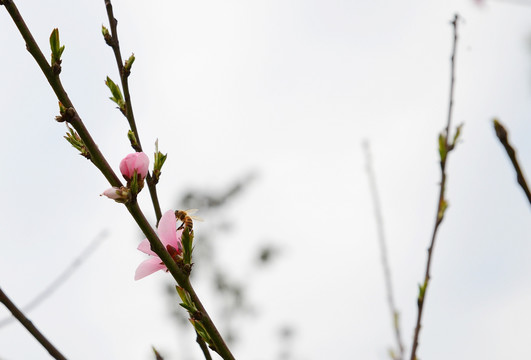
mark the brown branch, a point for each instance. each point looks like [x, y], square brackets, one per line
[383, 250]
[115, 45]
[501, 133]
[56, 354]
[98, 159]
[124, 75]
[444, 148]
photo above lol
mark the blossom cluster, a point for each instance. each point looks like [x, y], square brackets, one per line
[134, 168]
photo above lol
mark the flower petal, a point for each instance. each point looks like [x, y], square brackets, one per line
[148, 267]
[135, 161]
[166, 230]
[111, 193]
[127, 165]
[145, 247]
[142, 164]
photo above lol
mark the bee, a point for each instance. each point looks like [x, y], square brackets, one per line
[186, 217]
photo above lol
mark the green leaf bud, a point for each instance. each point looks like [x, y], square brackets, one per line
[442, 148]
[116, 94]
[128, 63]
[132, 139]
[57, 51]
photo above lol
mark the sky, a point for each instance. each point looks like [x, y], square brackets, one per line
[287, 91]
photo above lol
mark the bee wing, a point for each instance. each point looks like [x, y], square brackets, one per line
[190, 213]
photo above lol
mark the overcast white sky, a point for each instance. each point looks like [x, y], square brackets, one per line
[288, 90]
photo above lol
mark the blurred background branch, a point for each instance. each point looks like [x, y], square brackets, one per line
[55, 284]
[395, 315]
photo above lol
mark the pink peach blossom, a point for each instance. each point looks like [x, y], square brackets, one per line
[112, 193]
[135, 161]
[170, 238]
[116, 193]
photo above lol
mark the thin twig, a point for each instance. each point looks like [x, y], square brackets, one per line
[156, 353]
[203, 346]
[115, 45]
[61, 279]
[501, 133]
[56, 354]
[444, 148]
[383, 250]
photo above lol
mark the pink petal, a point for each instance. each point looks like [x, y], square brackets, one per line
[112, 193]
[145, 247]
[135, 161]
[127, 165]
[166, 229]
[142, 164]
[148, 267]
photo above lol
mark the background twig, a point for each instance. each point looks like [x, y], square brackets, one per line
[501, 133]
[383, 250]
[59, 280]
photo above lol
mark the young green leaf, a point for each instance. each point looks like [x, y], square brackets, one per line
[442, 147]
[116, 94]
[457, 134]
[128, 63]
[57, 49]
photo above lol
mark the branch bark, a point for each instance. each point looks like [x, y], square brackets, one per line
[52, 350]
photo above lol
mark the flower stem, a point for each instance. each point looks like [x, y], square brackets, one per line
[56, 354]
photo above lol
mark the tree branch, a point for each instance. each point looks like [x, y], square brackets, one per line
[124, 75]
[56, 354]
[444, 149]
[502, 135]
[97, 158]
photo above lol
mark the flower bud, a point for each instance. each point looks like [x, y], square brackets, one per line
[120, 195]
[138, 162]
